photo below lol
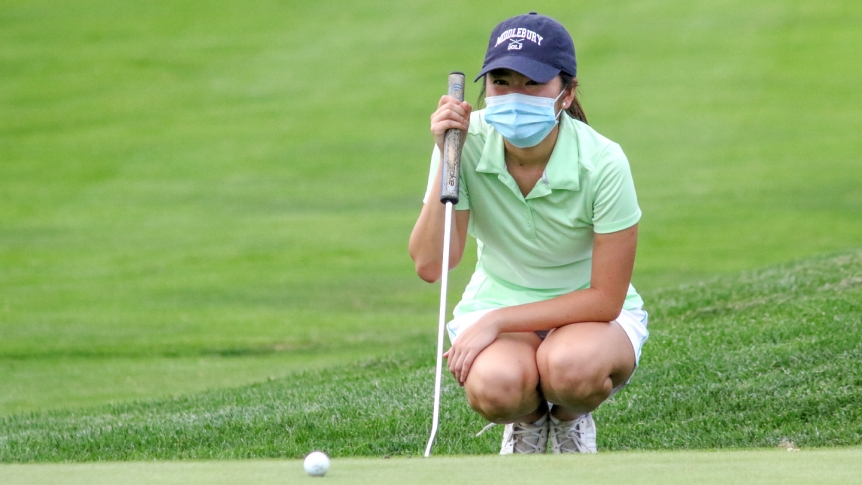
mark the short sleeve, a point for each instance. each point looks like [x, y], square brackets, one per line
[615, 205]
[463, 196]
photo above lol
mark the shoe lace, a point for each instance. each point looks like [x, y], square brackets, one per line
[486, 428]
[530, 436]
[573, 433]
[523, 433]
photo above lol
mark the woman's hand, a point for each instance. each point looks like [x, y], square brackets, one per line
[469, 344]
[450, 114]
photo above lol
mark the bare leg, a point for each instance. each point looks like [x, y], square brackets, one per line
[502, 385]
[580, 364]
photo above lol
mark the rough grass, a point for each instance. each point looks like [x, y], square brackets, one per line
[765, 359]
[770, 357]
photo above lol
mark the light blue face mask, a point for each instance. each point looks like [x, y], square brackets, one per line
[523, 120]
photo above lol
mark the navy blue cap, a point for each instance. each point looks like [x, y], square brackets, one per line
[534, 45]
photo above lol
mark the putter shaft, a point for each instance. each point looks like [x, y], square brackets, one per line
[441, 327]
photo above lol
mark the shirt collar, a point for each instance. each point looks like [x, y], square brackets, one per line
[562, 169]
[492, 154]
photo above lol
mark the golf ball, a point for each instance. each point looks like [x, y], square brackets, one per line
[316, 464]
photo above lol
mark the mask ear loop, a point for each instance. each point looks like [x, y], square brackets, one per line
[557, 117]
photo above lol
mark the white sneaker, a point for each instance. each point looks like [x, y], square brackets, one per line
[525, 437]
[577, 436]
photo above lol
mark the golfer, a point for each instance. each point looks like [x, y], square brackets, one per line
[549, 326]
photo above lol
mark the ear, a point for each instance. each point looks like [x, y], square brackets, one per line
[569, 96]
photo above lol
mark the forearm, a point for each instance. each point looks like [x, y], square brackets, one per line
[426, 240]
[587, 305]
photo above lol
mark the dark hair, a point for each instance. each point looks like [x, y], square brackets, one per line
[575, 110]
[569, 81]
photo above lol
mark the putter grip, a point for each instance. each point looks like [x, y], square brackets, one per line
[451, 165]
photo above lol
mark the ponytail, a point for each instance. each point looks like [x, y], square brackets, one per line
[575, 110]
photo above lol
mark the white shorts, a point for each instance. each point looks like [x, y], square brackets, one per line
[633, 322]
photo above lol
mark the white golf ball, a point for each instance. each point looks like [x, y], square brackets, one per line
[316, 464]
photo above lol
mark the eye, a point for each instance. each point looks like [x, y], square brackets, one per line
[499, 82]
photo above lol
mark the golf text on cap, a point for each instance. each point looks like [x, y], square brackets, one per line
[517, 36]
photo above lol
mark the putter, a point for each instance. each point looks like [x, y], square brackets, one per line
[450, 165]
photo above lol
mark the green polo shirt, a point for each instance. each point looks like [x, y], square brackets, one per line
[540, 246]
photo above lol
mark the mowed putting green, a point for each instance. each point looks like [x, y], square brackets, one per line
[761, 467]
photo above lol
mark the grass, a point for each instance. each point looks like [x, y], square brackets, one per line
[198, 197]
[762, 360]
[74, 382]
[762, 467]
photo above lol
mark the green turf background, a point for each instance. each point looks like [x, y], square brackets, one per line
[199, 195]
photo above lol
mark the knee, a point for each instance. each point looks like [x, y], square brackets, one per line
[575, 379]
[501, 396]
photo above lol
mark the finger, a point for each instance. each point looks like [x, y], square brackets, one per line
[467, 109]
[455, 365]
[466, 364]
[462, 358]
[451, 360]
[451, 114]
[441, 125]
[446, 99]
[454, 107]
[439, 129]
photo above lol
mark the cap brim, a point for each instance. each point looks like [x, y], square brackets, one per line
[535, 70]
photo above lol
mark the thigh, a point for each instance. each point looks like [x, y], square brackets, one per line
[599, 350]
